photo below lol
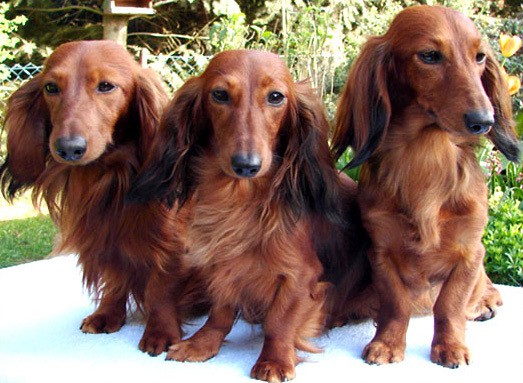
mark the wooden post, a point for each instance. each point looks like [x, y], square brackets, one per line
[144, 56]
[115, 28]
[117, 14]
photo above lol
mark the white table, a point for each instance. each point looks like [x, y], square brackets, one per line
[42, 304]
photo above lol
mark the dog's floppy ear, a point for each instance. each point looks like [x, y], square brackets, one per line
[150, 101]
[364, 107]
[27, 123]
[306, 176]
[502, 133]
[167, 173]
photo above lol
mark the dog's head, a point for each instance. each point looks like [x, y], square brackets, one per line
[246, 97]
[91, 95]
[434, 58]
[246, 118]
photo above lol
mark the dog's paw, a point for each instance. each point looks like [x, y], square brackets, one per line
[378, 352]
[488, 306]
[191, 351]
[272, 371]
[154, 342]
[451, 355]
[102, 323]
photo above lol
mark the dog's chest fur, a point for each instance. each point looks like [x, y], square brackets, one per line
[246, 249]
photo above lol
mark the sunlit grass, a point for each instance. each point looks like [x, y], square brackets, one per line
[25, 233]
[22, 207]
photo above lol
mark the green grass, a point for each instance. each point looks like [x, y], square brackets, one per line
[25, 234]
[25, 240]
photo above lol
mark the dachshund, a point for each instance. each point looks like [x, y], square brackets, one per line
[77, 134]
[416, 104]
[273, 223]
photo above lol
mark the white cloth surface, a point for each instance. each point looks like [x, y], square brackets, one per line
[43, 303]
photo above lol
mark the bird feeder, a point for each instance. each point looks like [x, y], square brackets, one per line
[117, 15]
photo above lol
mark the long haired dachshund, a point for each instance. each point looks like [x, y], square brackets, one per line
[248, 147]
[77, 133]
[415, 106]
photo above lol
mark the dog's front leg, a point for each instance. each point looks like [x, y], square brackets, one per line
[389, 342]
[450, 311]
[206, 342]
[163, 329]
[110, 315]
[295, 313]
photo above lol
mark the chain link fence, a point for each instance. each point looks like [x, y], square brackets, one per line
[174, 70]
[19, 72]
[12, 77]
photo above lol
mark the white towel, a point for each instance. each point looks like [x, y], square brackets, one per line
[43, 303]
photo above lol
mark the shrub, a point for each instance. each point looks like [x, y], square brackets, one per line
[503, 238]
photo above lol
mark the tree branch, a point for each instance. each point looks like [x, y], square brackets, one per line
[162, 3]
[63, 9]
[165, 35]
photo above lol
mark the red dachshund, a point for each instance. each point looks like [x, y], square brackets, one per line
[77, 133]
[415, 106]
[249, 147]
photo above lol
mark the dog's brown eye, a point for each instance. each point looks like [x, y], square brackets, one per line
[275, 98]
[480, 58]
[105, 87]
[51, 88]
[220, 96]
[430, 57]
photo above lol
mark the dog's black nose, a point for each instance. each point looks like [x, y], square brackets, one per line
[246, 165]
[70, 149]
[479, 122]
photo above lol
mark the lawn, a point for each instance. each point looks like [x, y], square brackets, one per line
[25, 234]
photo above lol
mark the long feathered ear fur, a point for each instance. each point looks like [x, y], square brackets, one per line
[364, 108]
[306, 176]
[27, 123]
[150, 101]
[167, 174]
[502, 133]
